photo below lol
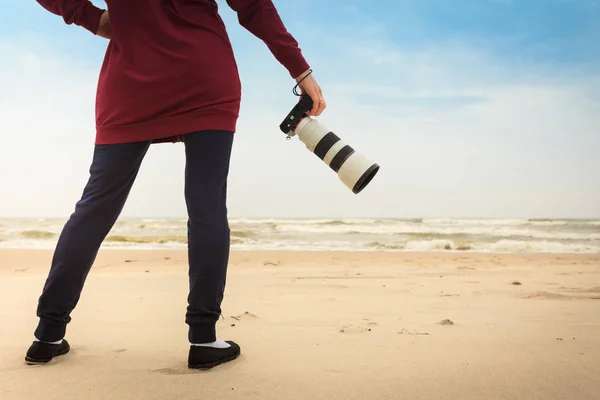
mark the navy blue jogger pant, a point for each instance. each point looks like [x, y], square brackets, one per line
[112, 174]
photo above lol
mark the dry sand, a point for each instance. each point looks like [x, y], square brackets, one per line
[318, 326]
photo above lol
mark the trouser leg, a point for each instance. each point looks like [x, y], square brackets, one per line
[112, 173]
[207, 167]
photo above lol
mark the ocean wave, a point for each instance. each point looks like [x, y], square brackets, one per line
[441, 227]
[548, 222]
[443, 231]
[337, 228]
[433, 234]
[243, 234]
[301, 221]
[34, 234]
[384, 246]
[476, 221]
[146, 239]
[515, 246]
[157, 239]
[437, 245]
[503, 246]
[421, 245]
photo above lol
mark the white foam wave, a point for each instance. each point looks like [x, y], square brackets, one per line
[429, 245]
[405, 228]
[503, 246]
[548, 223]
[480, 222]
[503, 235]
[515, 246]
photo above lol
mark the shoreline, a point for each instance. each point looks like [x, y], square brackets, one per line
[449, 253]
[405, 253]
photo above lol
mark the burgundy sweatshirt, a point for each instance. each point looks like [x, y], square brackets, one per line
[169, 68]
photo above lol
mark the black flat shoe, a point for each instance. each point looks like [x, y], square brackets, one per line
[208, 357]
[42, 353]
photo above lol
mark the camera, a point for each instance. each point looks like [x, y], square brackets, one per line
[352, 168]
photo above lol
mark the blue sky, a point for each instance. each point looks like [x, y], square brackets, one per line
[554, 31]
[473, 108]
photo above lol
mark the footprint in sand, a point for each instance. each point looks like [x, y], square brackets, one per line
[546, 296]
[183, 370]
[244, 316]
[354, 329]
[443, 294]
[575, 294]
[271, 263]
[580, 290]
[591, 293]
[366, 326]
[415, 332]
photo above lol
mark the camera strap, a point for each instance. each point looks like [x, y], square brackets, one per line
[295, 90]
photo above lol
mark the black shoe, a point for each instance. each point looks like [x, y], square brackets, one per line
[41, 353]
[208, 357]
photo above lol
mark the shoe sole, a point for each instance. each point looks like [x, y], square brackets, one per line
[37, 361]
[213, 364]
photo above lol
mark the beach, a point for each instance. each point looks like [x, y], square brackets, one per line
[317, 325]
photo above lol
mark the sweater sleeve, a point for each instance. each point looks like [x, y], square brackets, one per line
[79, 12]
[260, 17]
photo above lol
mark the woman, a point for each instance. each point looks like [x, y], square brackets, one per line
[169, 74]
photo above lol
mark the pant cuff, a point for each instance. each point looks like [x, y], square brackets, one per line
[49, 331]
[202, 333]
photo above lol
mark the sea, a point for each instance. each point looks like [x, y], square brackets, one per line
[400, 235]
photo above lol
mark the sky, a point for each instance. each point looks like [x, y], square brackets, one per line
[472, 108]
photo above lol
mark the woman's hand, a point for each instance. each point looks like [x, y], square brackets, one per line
[310, 86]
[104, 29]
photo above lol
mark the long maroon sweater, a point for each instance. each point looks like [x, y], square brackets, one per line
[169, 68]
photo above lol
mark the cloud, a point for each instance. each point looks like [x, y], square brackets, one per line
[457, 129]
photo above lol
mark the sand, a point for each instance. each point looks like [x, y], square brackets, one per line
[318, 326]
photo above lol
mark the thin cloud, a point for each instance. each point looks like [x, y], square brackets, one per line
[457, 129]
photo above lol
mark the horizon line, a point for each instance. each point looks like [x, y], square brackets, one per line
[184, 217]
